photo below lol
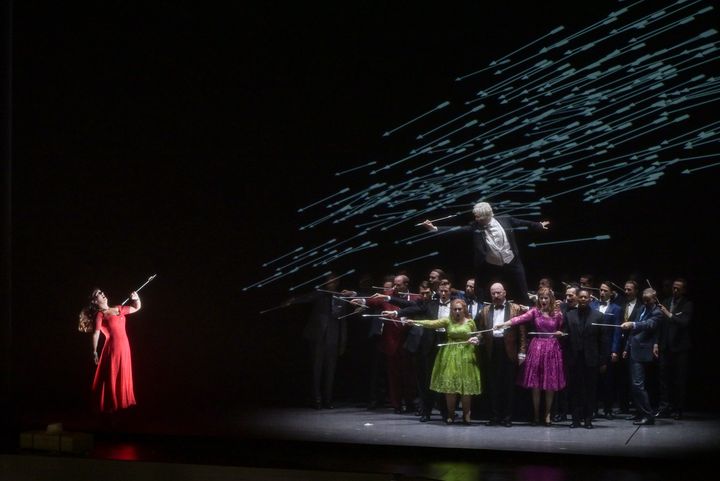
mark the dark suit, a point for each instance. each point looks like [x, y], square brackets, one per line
[512, 274]
[588, 352]
[501, 355]
[674, 344]
[608, 380]
[423, 344]
[639, 347]
[327, 336]
[617, 346]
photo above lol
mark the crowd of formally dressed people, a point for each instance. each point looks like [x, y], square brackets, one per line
[581, 351]
[574, 349]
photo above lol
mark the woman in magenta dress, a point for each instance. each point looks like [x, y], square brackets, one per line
[113, 383]
[543, 367]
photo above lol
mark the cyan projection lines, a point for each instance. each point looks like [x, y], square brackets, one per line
[593, 114]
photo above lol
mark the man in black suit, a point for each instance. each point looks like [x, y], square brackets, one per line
[674, 351]
[586, 359]
[326, 333]
[423, 345]
[561, 402]
[496, 254]
[640, 349]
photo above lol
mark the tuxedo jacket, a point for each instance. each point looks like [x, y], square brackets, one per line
[586, 340]
[462, 296]
[644, 335]
[508, 223]
[674, 334]
[613, 315]
[420, 339]
[515, 337]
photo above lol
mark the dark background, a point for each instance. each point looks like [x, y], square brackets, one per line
[180, 139]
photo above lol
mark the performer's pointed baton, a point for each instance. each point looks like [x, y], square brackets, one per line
[138, 289]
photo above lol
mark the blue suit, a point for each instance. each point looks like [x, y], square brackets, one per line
[643, 336]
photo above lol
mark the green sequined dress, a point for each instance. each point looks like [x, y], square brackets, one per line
[456, 368]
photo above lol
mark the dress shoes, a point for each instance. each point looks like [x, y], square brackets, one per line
[677, 415]
[424, 418]
[609, 416]
[575, 424]
[644, 421]
[492, 422]
[397, 410]
[507, 423]
[589, 424]
[317, 405]
[558, 418]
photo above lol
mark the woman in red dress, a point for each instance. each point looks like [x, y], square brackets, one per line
[113, 384]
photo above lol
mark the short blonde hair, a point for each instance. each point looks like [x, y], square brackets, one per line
[466, 314]
[482, 210]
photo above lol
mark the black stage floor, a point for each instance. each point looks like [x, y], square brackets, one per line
[353, 443]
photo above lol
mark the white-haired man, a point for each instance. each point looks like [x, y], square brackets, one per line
[496, 254]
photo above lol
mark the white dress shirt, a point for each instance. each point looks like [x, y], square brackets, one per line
[498, 318]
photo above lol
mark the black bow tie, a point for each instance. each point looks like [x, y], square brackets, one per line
[498, 308]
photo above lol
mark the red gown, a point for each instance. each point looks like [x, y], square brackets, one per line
[113, 384]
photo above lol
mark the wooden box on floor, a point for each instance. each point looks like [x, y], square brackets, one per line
[66, 442]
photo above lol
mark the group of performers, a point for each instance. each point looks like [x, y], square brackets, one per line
[592, 348]
[590, 343]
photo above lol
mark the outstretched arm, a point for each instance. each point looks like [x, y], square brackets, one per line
[530, 224]
[431, 324]
[136, 304]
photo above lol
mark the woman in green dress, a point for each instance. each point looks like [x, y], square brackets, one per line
[456, 369]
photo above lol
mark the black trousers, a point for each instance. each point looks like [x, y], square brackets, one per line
[512, 276]
[608, 386]
[501, 381]
[424, 362]
[583, 388]
[622, 384]
[672, 379]
[324, 359]
[376, 377]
